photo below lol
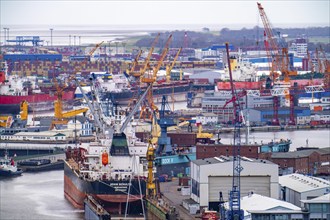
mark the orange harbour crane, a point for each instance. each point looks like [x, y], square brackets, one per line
[279, 63]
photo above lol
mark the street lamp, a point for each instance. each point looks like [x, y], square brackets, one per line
[51, 36]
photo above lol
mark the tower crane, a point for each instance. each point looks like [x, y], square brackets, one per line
[235, 211]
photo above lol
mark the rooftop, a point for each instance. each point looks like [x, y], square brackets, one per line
[301, 153]
[321, 199]
[224, 159]
[301, 183]
[257, 203]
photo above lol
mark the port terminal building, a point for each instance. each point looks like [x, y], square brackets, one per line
[213, 175]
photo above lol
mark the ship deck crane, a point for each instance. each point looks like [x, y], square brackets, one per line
[235, 211]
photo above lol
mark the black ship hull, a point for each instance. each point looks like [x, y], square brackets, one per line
[112, 194]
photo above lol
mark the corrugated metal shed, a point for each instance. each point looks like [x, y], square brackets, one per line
[301, 183]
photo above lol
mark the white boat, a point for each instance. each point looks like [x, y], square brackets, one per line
[8, 167]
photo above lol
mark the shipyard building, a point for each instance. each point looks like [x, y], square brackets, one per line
[213, 175]
[296, 187]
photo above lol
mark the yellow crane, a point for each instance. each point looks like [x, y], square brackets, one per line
[7, 120]
[61, 117]
[170, 67]
[89, 55]
[24, 106]
[151, 186]
[200, 134]
[150, 78]
[147, 60]
[135, 62]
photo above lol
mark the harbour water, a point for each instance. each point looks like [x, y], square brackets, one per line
[35, 196]
[300, 138]
[41, 195]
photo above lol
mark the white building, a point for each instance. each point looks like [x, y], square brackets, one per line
[318, 208]
[299, 47]
[81, 125]
[207, 118]
[42, 136]
[258, 207]
[296, 187]
[213, 175]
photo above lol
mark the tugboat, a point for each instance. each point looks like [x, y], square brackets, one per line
[276, 146]
[8, 167]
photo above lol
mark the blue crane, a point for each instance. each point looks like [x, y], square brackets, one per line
[235, 212]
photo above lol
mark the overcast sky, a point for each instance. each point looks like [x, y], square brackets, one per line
[136, 12]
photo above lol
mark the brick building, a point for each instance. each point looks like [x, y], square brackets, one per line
[311, 161]
[215, 150]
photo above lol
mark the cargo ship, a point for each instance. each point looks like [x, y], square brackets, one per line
[123, 94]
[15, 89]
[119, 89]
[111, 170]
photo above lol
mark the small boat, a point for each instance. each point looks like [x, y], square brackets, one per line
[277, 146]
[8, 167]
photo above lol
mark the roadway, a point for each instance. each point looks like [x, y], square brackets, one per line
[174, 198]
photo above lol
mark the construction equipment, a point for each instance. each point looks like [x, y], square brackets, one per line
[164, 142]
[170, 67]
[6, 121]
[235, 211]
[201, 134]
[147, 60]
[61, 117]
[150, 78]
[89, 55]
[279, 58]
[135, 62]
[280, 62]
[151, 186]
[24, 106]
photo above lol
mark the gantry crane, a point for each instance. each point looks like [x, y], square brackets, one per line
[235, 211]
